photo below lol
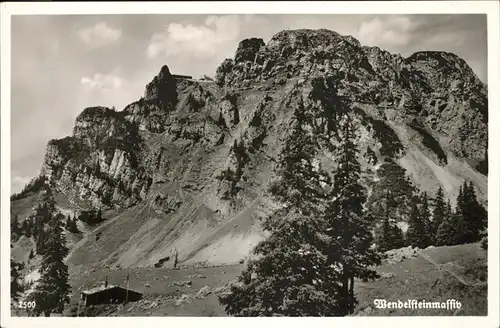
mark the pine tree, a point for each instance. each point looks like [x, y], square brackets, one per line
[419, 232]
[484, 243]
[383, 239]
[450, 231]
[390, 235]
[449, 210]
[40, 240]
[16, 288]
[426, 238]
[460, 197]
[32, 254]
[290, 275]
[474, 215]
[347, 223]
[71, 225]
[74, 226]
[397, 237]
[26, 229]
[99, 215]
[14, 226]
[439, 213]
[415, 227]
[52, 291]
[221, 122]
[97, 169]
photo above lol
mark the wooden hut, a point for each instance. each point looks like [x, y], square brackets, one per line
[182, 77]
[107, 294]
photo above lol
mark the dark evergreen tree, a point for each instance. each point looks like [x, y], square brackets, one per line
[419, 232]
[16, 288]
[291, 275]
[450, 232]
[390, 236]
[439, 212]
[449, 210]
[397, 237]
[52, 291]
[15, 229]
[35, 228]
[26, 228]
[384, 238]
[32, 254]
[221, 122]
[73, 226]
[425, 215]
[393, 178]
[99, 215]
[415, 227]
[97, 169]
[474, 215]
[40, 241]
[484, 243]
[460, 197]
[347, 223]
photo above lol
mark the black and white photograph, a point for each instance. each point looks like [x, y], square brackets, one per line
[241, 164]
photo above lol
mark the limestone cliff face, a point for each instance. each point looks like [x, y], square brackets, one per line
[438, 88]
[191, 161]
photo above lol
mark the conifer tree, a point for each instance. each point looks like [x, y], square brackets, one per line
[221, 122]
[15, 229]
[439, 212]
[415, 227]
[26, 229]
[384, 236]
[426, 238]
[397, 237]
[347, 223]
[40, 240]
[290, 275]
[99, 215]
[52, 291]
[474, 215]
[449, 210]
[450, 231]
[484, 243]
[460, 197]
[16, 288]
[390, 235]
[74, 226]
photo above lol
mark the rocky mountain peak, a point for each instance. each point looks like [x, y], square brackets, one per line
[247, 49]
[162, 89]
[306, 39]
[213, 146]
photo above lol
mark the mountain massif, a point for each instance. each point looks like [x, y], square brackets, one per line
[186, 169]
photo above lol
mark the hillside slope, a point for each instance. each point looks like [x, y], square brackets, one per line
[433, 274]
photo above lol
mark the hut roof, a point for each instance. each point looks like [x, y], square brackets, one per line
[99, 289]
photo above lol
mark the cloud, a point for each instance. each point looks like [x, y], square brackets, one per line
[447, 38]
[100, 34]
[101, 82]
[17, 183]
[385, 30]
[197, 40]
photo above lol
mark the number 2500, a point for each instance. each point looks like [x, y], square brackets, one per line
[27, 305]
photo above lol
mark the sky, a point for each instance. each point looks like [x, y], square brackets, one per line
[62, 64]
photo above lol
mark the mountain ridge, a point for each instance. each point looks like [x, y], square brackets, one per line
[188, 164]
